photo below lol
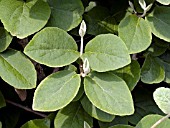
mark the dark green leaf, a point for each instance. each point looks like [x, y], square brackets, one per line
[21, 18]
[17, 70]
[52, 47]
[56, 91]
[2, 100]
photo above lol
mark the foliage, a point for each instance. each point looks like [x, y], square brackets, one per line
[84, 63]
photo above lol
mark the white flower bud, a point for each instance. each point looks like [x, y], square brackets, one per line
[82, 30]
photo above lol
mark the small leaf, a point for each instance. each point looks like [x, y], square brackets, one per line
[72, 116]
[56, 91]
[37, 123]
[86, 125]
[24, 18]
[152, 71]
[130, 74]
[2, 100]
[162, 99]
[65, 14]
[5, 39]
[106, 52]
[159, 22]
[136, 33]
[121, 126]
[52, 47]
[109, 93]
[17, 70]
[164, 2]
[149, 120]
[95, 112]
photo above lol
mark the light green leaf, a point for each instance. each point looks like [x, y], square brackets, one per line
[0, 124]
[130, 74]
[152, 71]
[65, 14]
[5, 39]
[80, 92]
[121, 126]
[106, 52]
[162, 99]
[37, 123]
[164, 2]
[136, 33]
[56, 91]
[149, 120]
[86, 125]
[52, 47]
[109, 93]
[159, 22]
[101, 23]
[2, 100]
[95, 112]
[17, 70]
[21, 18]
[72, 116]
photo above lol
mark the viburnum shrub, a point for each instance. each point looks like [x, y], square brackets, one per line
[84, 64]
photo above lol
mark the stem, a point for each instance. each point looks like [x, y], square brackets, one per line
[161, 120]
[26, 108]
[81, 47]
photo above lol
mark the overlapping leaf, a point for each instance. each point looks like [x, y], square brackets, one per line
[136, 33]
[52, 47]
[65, 14]
[17, 70]
[106, 52]
[56, 91]
[21, 18]
[109, 93]
[164, 2]
[72, 116]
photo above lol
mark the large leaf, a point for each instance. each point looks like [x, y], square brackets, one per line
[160, 23]
[95, 112]
[72, 116]
[37, 123]
[56, 91]
[52, 47]
[17, 70]
[65, 14]
[2, 100]
[121, 126]
[101, 23]
[130, 74]
[109, 93]
[152, 71]
[106, 52]
[136, 33]
[162, 99]
[21, 18]
[149, 120]
[164, 2]
[5, 39]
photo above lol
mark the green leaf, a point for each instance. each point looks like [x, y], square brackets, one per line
[152, 71]
[164, 2]
[149, 120]
[17, 70]
[130, 74]
[2, 100]
[95, 112]
[52, 47]
[5, 39]
[72, 116]
[121, 126]
[109, 93]
[80, 92]
[86, 125]
[37, 123]
[136, 33]
[159, 22]
[162, 99]
[65, 14]
[106, 52]
[21, 18]
[101, 23]
[0, 124]
[56, 91]
[167, 71]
